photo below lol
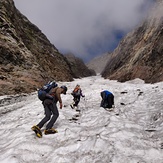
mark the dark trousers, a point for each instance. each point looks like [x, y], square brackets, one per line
[50, 109]
[107, 101]
[76, 100]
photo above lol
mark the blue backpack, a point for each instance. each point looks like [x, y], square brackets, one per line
[107, 93]
[43, 92]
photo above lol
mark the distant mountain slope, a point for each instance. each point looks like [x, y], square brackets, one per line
[98, 63]
[27, 58]
[78, 67]
[140, 53]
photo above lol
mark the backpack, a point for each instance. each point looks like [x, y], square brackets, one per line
[107, 93]
[75, 92]
[43, 92]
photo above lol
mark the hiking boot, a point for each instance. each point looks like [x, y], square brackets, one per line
[37, 131]
[50, 131]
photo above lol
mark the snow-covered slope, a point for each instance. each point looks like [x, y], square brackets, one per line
[132, 133]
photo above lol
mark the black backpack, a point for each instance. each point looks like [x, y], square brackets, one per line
[43, 92]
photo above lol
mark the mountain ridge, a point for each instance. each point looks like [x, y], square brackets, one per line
[27, 58]
[139, 54]
[78, 67]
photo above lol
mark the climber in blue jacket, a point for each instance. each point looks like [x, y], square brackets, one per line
[107, 99]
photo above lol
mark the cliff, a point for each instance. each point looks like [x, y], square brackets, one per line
[140, 53]
[27, 58]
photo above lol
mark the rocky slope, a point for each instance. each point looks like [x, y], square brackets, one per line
[78, 67]
[140, 53]
[98, 63]
[27, 58]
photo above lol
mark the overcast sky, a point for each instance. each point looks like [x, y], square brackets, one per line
[86, 28]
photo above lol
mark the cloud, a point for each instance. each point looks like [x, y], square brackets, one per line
[84, 27]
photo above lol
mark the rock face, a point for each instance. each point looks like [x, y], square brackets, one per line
[140, 53]
[78, 67]
[27, 58]
[98, 63]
